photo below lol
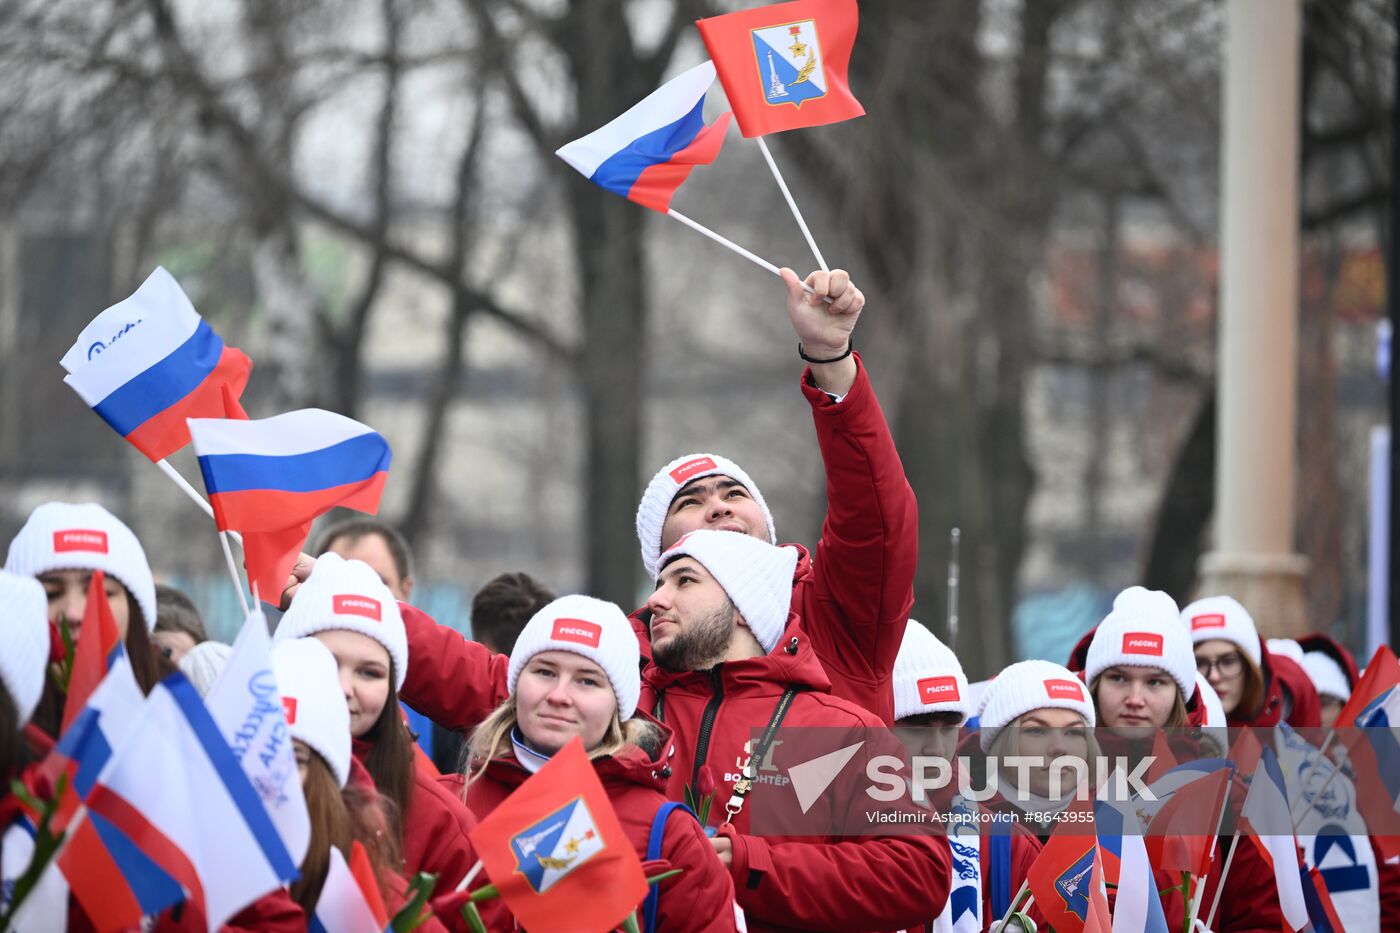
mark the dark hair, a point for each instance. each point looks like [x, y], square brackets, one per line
[148, 663]
[176, 612]
[501, 608]
[390, 759]
[357, 528]
[339, 817]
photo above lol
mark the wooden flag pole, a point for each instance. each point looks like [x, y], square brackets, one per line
[731, 245]
[792, 205]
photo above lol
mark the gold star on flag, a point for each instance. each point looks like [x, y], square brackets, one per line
[571, 847]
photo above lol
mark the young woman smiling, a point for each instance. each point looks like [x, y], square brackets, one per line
[575, 673]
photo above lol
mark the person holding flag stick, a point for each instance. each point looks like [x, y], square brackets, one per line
[573, 673]
[644, 155]
[784, 67]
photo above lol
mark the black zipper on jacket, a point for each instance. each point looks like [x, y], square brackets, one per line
[707, 723]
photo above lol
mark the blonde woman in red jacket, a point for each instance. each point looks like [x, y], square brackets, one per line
[574, 674]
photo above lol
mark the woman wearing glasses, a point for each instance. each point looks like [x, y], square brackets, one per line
[1256, 686]
[1260, 688]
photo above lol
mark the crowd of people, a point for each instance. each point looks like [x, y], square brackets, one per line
[740, 636]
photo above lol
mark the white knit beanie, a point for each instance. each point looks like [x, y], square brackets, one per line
[927, 676]
[1027, 686]
[1286, 647]
[348, 594]
[1224, 618]
[1327, 675]
[67, 536]
[24, 630]
[669, 480]
[757, 576]
[203, 664]
[313, 702]
[1143, 630]
[593, 628]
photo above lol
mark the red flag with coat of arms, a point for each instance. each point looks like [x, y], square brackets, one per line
[784, 66]
[1064, 877]
[554, 848]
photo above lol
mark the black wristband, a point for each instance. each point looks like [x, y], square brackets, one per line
[850, 347]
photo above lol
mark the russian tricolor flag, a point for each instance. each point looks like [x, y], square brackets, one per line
[271, 478]
[149, 362]
[187, 824]
[1270, 819]
[350, 901]
[645, 154]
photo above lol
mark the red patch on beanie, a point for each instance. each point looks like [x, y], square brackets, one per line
[1064, 690]
[1148, 643]
[356, 605]
[577, 631]
[691, 467]
[80, 539]
[938, 690]
[1214, 620]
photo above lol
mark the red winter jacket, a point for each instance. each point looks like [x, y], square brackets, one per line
[854, 597]
[435, 829]
[813, 884]
[701, 899]
[1289, 696]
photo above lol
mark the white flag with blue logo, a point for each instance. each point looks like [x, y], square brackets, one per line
[247, 705]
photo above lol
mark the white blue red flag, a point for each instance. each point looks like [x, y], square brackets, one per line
[1270, 821]
[247, 705]
[149, 362]
[350, 901]
[271, 478]
[195, 829]
[646, 153]
[1138, 907]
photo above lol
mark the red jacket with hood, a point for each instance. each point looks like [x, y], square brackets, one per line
[808, 884]
[701, 899]
[854, 597]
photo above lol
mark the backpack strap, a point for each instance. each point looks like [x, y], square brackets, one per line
[658, 833]
[1000, 880]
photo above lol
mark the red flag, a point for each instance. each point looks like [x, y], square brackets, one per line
[1063, 877]
[232, 407]
[1098, 920]
[554, 848]
[1197, 806]
[1381, 674]
[1162, 758]
[97, 639]
[363, 873]
[784, 66]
